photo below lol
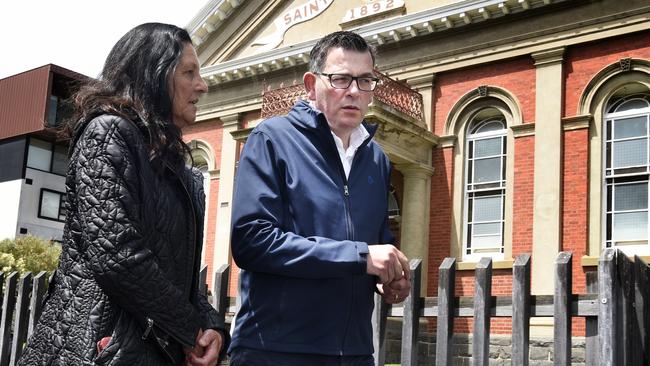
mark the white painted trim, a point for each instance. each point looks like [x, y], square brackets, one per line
[404, 27]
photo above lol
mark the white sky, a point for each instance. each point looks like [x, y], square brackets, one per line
[77, 34]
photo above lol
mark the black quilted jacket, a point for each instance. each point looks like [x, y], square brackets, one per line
[131, 251]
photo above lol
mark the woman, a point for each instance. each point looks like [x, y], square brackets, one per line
[126, 290]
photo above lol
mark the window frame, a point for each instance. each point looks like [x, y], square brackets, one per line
[627, 175]
[53, 147]
[485, 189]
[62, 201]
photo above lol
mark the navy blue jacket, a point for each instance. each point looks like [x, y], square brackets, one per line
[300, 234]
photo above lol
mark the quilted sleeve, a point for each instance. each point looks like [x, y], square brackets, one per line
[109, 200]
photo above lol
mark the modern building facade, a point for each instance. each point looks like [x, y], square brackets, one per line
[34, 159]
[513, 126]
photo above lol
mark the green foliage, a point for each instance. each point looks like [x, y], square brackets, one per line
[28, 254]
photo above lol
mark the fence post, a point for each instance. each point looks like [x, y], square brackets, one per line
[36, 301]
[591, 325]
[411, 320]
[445, 331]
[8, 305]
[562, 310]
[21, 317]
[220, 290]
[641, 304]
[482, 304]
[379, 315]
[628, 336]
[607, 309]
[521, 310]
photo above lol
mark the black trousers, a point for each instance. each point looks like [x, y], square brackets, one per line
[252, 357]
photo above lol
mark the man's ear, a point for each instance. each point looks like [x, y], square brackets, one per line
[309, 79]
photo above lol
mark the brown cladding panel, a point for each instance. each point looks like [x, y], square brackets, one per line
[23, 99]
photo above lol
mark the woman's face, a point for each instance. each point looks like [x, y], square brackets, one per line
[186, 87]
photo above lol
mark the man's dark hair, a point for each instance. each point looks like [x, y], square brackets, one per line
[134, 84]
[348, 41]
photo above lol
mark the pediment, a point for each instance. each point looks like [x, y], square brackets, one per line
[232, 30]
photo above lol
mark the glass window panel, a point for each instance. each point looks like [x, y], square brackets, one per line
[39, 154]
[490, 126]
[630, 226]
[630, 127]
[492, 241]
[60, 160]
[487, 229]
[487, 170]
[632, 104]
[487, 209]
[488, 147]
[631, 196]
[630, 153]
[51, 114]
[50, 205]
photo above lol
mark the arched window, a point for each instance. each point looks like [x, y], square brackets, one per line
[626, 171]
[485, 185]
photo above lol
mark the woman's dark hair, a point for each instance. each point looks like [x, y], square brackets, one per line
[134, 84]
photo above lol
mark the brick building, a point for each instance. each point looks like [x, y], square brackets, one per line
[513, 126]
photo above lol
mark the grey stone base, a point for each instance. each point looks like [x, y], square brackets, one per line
[540, 351]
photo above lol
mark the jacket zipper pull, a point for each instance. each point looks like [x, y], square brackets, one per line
[346, 192]
[145, 335]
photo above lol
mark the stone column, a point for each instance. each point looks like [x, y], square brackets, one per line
[547, 228]
[415, 213]
[227, 175]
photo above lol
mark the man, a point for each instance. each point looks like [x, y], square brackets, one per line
[310, 222]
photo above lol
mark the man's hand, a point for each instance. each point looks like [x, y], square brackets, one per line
[206, 350]
[395, 291]
[387, 262]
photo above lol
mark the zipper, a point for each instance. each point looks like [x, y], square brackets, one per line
[348, 218]
[191, 202]
[150, 322]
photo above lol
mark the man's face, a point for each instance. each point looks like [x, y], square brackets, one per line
[343, 108]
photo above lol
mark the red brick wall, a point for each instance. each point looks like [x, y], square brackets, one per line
[583, 62]
[210, 133]
[517, 76]
[440, 214]
[523, 188]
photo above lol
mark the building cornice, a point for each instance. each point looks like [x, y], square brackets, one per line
[210, 18]
[392, 30]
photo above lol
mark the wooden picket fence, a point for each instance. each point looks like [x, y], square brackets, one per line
[617, 313]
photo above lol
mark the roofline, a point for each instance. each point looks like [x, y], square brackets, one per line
[392, 30]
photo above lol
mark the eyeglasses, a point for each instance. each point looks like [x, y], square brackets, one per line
[343, 81]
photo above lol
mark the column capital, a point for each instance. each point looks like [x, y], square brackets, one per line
[415, 170]
[422, 81]
[230, 120]
[548, 57]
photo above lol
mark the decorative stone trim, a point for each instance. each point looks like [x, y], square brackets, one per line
[496, 264]
[576, 122]
[230, 120]
[241, 135]
[625, 64]
[447, 141]
[482, 91]
[548, 57]
[454, 15]
[592, 261]
[523, 130]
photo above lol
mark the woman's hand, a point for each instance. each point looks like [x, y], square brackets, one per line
[206, 350]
